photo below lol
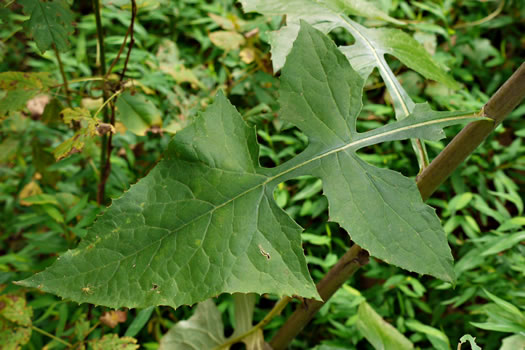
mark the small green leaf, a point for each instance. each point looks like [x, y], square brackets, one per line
[203, 330]
[227, 40]
[460, 201]
[54, 213]
[139, 321]
[504, 242]
[52, 110]
[381, 334]
[51, 23]
[15, 321]
[113, 342]
[509, 308]
[315, 239]
[363, 8]
[76, 143]
[436, 337]
[137, 113]
[471, 340]
[41, 199]
[514, 223]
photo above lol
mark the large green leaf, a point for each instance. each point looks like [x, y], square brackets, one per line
[204, 220]
[381, 334]
[50, 23]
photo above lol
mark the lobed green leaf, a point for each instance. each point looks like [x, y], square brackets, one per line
[50, 23]
[204, 221]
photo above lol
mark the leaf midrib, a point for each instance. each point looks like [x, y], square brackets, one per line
[40, 4]
[360, 140]
[380, 63]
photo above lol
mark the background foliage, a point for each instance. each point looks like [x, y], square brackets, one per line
[184, 52]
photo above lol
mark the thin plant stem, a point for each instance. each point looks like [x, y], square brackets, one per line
[106, 166]
[100, 36]
[131, 38]
[104, 143]
[75, 346]
[129, 32]
[79, 80]
[54, 337]
[275, 311]
[118, 54]
[484, 19]
[107, 101]
[349, 263]
[63, 73]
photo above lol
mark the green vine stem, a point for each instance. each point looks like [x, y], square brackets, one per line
[275, 311]
[108, 100]
[351, 261]
[47, 334]
[63, 73]
[484, 19]
[508, 97]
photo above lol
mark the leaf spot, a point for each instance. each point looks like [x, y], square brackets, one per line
[264, 253]
[87, 290]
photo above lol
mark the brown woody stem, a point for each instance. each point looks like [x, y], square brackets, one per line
[508, 97]
[351, 261]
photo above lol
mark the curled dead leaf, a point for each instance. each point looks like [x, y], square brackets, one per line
[113, 318]
[105, 128]
[247, 55]
[37, 104]
[31, 189]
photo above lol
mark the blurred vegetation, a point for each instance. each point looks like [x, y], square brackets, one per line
[184, 52]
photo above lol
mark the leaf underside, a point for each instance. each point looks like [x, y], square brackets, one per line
[205, 329]
[204, 221]
[368, 52]
[381, 334]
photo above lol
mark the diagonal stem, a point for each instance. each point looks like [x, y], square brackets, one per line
[508, 97]
[107, 147]
[351, 261]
